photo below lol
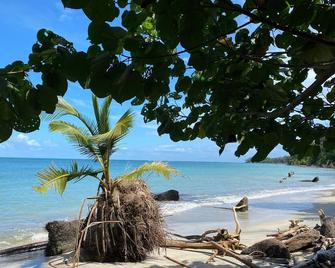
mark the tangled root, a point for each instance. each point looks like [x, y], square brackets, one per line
[123, 226]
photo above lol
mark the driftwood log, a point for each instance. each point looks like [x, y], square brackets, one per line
[270, 247]
[303, 240]
[24, 248]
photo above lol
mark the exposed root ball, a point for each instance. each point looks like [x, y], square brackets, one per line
[138, 230]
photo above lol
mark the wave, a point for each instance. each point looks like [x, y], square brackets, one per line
[174, 207]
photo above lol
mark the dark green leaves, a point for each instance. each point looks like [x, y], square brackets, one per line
[101, 10]
[75, 4]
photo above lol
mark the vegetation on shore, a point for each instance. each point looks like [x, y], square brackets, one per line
[324, 159]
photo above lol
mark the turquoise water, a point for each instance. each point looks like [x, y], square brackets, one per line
[23, 212]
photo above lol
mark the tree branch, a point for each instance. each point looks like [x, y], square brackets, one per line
[310, 91]
[308, 36]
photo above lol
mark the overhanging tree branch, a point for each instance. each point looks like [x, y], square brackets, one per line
[310, 91]
[308, 36]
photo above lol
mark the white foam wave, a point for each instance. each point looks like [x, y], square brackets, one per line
[37, 237]
[170, 208]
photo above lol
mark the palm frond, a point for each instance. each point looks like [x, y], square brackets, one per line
[159, 168]
[57, 178]
[78, 136]
[104, 115]
[120, 129]
[96, 109]
[64, 108]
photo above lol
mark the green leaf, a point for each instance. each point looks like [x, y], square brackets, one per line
[122, 3]
[98, 31]
[99, 10]
[5, 131]
[198, 60]
[46, 98]
[57, 178]
[55, 80]
[183, 84]
[75, 4]
[5, 111]
[27, 125]
[76, 67]
[159, 168]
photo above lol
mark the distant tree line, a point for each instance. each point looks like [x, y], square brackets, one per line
[324, 159]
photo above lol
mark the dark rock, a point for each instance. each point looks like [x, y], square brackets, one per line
[62, 236]
[328, 227]
[243, 202]
[271, 247]
[304, 240]
[316, 179]
[170, 195]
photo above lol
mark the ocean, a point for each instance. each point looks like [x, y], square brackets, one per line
[24, 212]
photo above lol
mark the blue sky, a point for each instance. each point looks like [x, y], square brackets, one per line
[20, 20]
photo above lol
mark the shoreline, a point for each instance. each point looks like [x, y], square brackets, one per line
[259, 221]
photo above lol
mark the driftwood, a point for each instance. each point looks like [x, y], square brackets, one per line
[303, 240]
[247, 261]
[24, 248]
[173, 243]
[289, 233]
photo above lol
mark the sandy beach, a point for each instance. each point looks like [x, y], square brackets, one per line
[265, 216]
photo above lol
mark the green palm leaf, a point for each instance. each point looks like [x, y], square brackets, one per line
[104, 125]
[64, 108]
[57, 178]
[107, 142]
[78, 136]
[159, 168]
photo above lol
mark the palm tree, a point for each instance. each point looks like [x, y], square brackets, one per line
[117, 226]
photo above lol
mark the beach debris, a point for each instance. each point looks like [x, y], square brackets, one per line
[315, 179]
[283, 235]
[303, 240]
[62, 236]
[271, 247]
[221, 240]
[327, 224]
[242, 205]
[294, 223]
[24, 248]
[170, 195]
[244, 259]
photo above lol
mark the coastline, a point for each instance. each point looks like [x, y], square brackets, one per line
[266, 215]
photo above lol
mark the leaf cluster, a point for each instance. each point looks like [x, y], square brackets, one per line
[223, 70]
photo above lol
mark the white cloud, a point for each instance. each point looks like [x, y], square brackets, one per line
[23, 138]
[173, 149]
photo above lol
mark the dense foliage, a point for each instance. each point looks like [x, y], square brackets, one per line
[223, 70]
[324, 159]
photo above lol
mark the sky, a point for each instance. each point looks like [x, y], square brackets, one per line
[20, 21]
